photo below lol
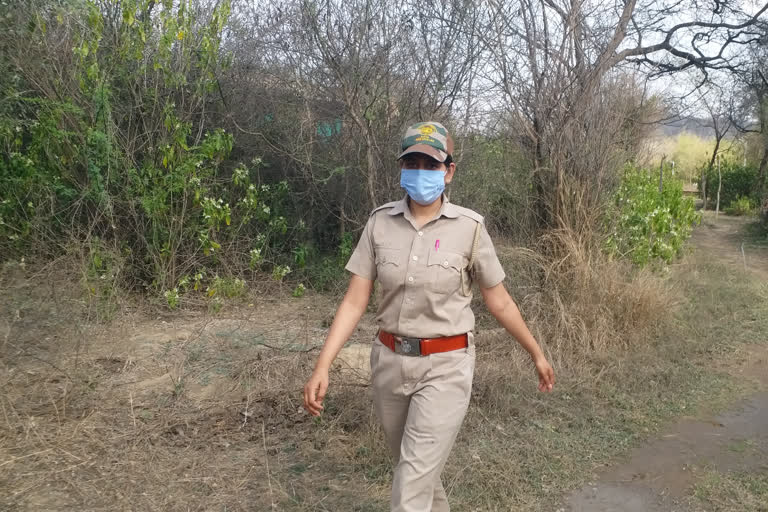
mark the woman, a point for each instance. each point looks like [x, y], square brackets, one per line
[425, 252]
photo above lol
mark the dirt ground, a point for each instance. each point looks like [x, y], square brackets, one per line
[155, 407]
[195, 410]
[659, 476]
[725, 240]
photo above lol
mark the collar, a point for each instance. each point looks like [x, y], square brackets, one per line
[447, 209]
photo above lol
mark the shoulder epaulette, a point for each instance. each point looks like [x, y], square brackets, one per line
[468, 213]
[391, 204]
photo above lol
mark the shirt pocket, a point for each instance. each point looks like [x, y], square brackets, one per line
[444, 271]
[389, 267]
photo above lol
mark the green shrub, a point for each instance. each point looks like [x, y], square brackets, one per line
[228, 287]
[494, 179]
[646, 225]
[280, 271]
[737, 181]
[101, 279]
[36, 153]
[172, 298]
[327, 272]
[299, 290]
[741, 206]
[123, 155]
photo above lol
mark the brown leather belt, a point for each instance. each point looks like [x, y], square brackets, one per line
[423, 346]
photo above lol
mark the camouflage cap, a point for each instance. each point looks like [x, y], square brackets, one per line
[429, 138]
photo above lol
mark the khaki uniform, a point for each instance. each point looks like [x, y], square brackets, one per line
[421, 401]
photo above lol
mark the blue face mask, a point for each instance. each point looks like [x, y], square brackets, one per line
[423, 186]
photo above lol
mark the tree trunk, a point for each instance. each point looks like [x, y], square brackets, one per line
[371, 161]
[762, 193]
[542, 183]
[762, 196]
[718, 139]
[719, 187]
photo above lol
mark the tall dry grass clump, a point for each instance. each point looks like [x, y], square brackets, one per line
[581, 301]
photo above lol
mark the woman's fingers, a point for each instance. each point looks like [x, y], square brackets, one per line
[315, 404]
[309, 397]
[314, 393]
[321, 389]
[546, 377]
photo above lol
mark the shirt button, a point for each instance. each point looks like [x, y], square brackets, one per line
[445, 264]
[421, 233]
[415, 258]
[410, 279]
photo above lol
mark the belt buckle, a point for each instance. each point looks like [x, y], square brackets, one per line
[408, 346]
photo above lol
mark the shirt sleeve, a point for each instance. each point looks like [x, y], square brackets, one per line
[488, 269]
[363, 259]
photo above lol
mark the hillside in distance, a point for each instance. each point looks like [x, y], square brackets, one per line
[694, 125]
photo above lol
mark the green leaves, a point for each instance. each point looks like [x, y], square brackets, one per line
[129, 154]
[737, 181]
[648, 225]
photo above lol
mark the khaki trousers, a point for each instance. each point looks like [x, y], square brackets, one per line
[421, 403]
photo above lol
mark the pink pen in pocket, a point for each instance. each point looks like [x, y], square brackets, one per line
[437, 244]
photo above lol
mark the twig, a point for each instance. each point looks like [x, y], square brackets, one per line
[130, 394]
[284, 349]
[247, 404]
[266, 461]
[7, 419]
[743, 257]
[14, 459]
[7, 334]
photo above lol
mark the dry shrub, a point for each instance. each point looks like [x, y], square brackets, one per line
[584, 302]
[590, 314]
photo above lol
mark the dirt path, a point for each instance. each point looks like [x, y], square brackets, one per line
[726, 242]
[658, 476]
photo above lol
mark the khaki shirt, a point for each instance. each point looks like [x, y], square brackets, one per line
[419, 270]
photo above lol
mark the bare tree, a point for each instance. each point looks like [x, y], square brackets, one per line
[718, 102]
[350, 76]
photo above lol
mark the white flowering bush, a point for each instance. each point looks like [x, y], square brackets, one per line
[227, 287]
[280, 271]
[299, 290]
[647, 225]
[172, 298]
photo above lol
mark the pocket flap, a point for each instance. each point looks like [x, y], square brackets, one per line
[387, 255]
[447, 260]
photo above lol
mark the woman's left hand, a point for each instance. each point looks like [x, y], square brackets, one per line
[546, 374]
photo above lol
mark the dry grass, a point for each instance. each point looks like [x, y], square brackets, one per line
[585, 302]
[169, 412]
[193, 411]
[723, 492]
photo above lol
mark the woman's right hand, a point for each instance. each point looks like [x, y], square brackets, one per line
[349, 313]
[314, 391]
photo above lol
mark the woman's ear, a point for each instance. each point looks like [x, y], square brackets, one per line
[450, 170]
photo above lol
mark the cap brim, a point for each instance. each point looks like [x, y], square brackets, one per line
[428, 150]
